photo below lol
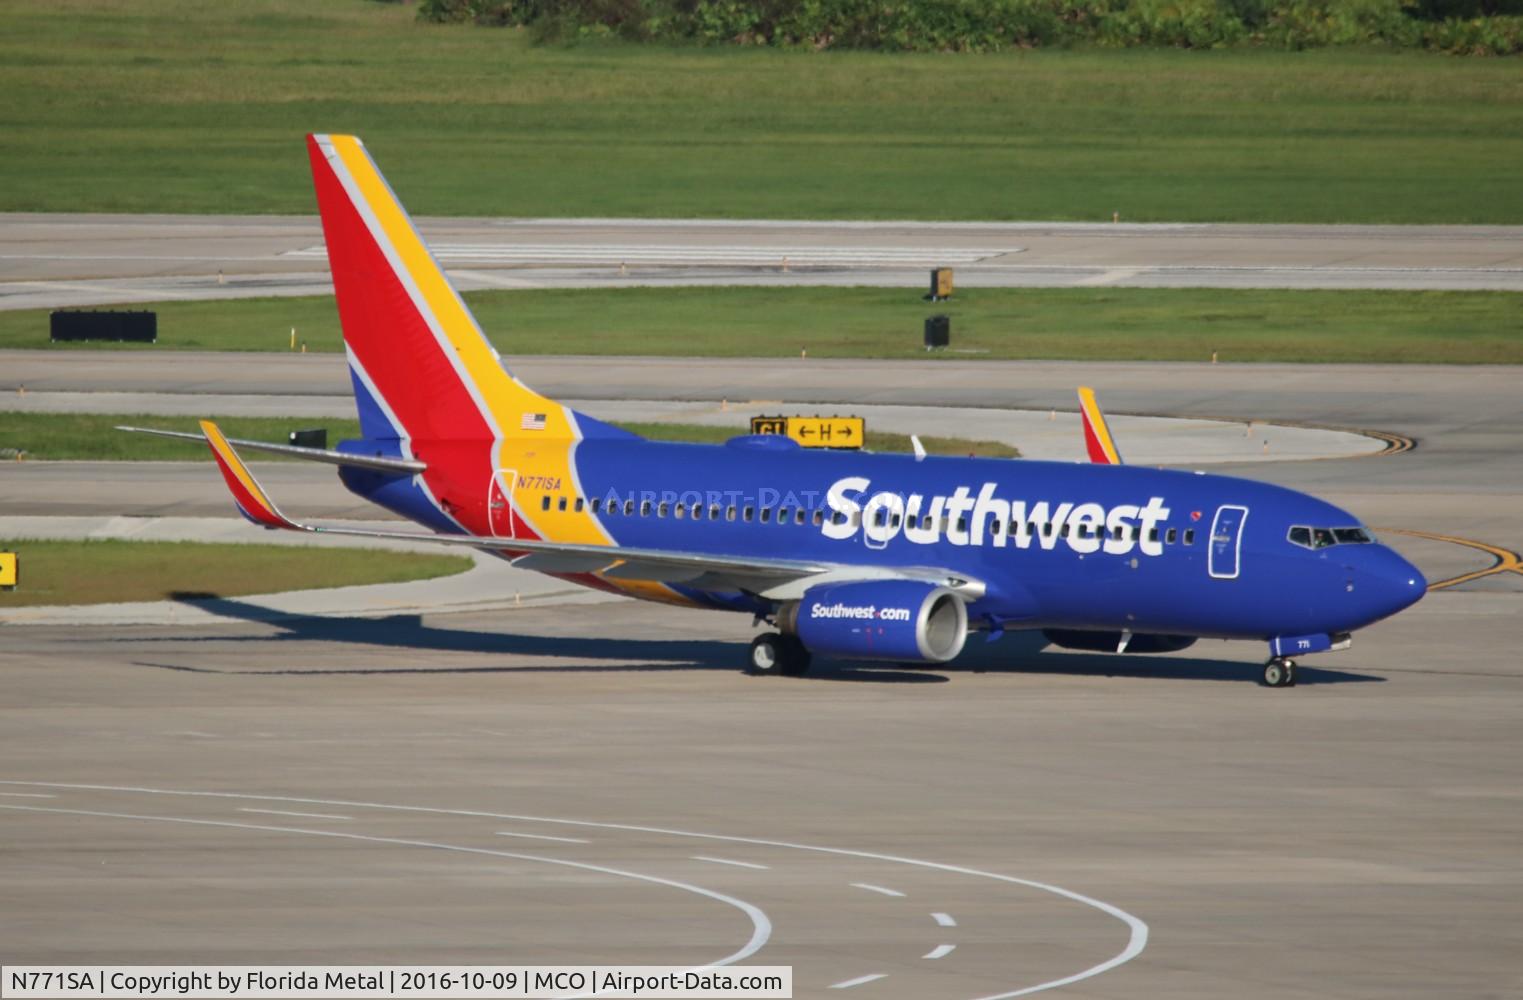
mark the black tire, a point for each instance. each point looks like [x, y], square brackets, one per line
[769, 652]
[1274, 674]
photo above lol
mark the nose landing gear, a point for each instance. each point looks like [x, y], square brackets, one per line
[1280, 672]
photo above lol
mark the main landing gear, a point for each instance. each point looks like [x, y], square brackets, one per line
[1280, 672]
[775, 653]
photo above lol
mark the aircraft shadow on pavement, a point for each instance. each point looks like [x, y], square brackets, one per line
[1030, 653]
[1017, 652]
[409, 632]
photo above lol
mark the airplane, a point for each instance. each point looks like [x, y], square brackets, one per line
[851, 555]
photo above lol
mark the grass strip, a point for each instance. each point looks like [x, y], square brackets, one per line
[1144, 324]
[93, 437]
[107, 571]
[185, 106]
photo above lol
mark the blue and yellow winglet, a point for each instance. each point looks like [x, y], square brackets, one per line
[1097, 434]
[253, 503]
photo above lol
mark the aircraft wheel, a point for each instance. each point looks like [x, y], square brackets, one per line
[1280, 672]
[768, 654]
[796, 657]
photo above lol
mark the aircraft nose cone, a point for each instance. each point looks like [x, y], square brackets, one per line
[1393, 582]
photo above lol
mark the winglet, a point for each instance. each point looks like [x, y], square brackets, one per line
[250, 497]
[1097, 435]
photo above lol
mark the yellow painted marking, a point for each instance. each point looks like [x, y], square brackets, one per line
[8, 569]
[1507, 561]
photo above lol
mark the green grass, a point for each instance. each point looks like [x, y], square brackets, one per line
[92, 436]
[99, 572]
[1073, 323]
[187, 106]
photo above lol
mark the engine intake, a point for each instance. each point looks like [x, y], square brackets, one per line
[879, 620]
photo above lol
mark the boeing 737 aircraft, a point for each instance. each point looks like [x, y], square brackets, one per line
[845, 554]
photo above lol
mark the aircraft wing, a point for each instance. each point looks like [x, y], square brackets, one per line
[382, 463]
[1097, 433]
[777, 579]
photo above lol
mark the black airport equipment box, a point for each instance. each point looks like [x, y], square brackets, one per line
[70, 324]
[938, 331]
[313, 438]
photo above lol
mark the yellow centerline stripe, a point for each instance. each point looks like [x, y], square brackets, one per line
[1507, 561]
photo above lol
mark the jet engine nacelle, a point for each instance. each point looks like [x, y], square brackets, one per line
[1106, 642]
[879, 620]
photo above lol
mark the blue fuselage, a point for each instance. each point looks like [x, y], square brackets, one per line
[1057, 545]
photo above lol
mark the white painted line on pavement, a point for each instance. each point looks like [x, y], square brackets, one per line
[761, 924]
[1137, 938]
[28, 795]
[877, 888]
[940, 951]
[944, 919]
[727, 861]
[542, 836]
[285, 812]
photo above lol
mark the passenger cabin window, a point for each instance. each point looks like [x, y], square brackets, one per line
[745, 515]
[561, 505]
[766, 514]
[729, 513]
[661, 510]
[1189, 536]
[714, 511]
[819, 517]
[544, 502]
[1172, 536]
[644, 507]
[680, 511]
[578, 505]
[782, 515]
[800, 515]
[596, 503]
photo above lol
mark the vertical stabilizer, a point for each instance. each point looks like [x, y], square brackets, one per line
[421, 367]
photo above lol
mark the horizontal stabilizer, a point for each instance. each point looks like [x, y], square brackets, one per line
[380, 463]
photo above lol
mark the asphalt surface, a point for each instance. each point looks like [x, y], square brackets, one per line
[1158, 826]
[72, 260]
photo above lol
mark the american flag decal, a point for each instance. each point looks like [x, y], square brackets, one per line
[533, 422]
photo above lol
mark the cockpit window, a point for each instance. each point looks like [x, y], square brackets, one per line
[1320, 538]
